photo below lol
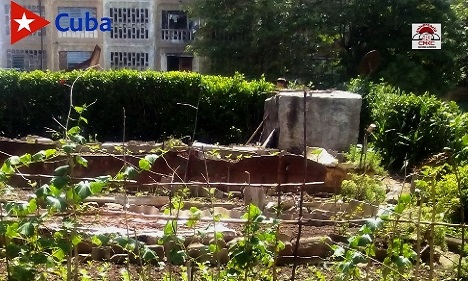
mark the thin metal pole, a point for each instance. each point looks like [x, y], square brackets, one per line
[42, 37]
[301, 201]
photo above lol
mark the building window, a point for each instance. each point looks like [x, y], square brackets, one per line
[174, 20]
[176, 26]
[76, 13]
[35, 9]
[179, 63]
[25, 59]
[130, 60]
[129, 23]
[69, 59]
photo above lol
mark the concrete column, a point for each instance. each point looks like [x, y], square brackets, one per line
[332, 119]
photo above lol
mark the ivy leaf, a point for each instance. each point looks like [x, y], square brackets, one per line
[13, 250]
[7, 168]
[365, 229]
[56, 203]
[61, 171]
[96, 241]
[39, 258]
[59, 182]
[374, 224]
[83, 189]
[32, 206]
[177, 257]
[78, 139]
[126, 243]
[100, 239]
[96, 187]
[339, 252]
[82, 161]
[147, 162]
[259, 219]
[353, 241]
[399, 209]
[212, 248]
[78, 109]
[242, 258]
[385, 213]
[22, 272]
[194, 217]
[144, 164]
[76, 240]
[148, 254]
[38, 156]
[13, 160]
[73, 131]
[26, 159]
[169, 228]
[404, 199]
[26, 229]
[84, 119]
[401, 261]
[50, 152]
[358, 257]
[12, 230]
[103, 179]
[130, 173]
[59, 254]
[21, 209]
[252, 212]
[151, 158]
[69, 148]
[365, 240]
[464, 140]
[45, 242]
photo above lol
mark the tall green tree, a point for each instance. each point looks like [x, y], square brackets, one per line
[324, 41]
[255, 37]
[385, 25]
[460, 8]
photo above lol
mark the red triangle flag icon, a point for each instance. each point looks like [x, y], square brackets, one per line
[23, 22]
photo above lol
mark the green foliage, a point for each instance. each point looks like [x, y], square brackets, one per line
[448, 201]
[274, 38]
[367, 27]
[361, 248]
[229, 111]
[30, 252]
[460, 8]
[323, 42]
[373, 160]
[364, 188]
[255, 249]
[409, 127]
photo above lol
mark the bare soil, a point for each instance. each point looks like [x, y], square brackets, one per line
[303, 272]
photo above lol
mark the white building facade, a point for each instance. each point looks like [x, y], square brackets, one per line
[145, 34]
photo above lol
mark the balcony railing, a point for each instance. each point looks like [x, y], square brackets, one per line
[177, 35]
[78, 34]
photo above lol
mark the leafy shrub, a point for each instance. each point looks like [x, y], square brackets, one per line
[373, 158]
[230, 107]
[447, 196]
[363, 188]
[409, 126]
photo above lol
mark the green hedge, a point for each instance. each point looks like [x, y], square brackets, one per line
[409, 126]
[230, 107]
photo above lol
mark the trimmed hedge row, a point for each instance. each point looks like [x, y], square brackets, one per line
[230, 107]
[409, 126]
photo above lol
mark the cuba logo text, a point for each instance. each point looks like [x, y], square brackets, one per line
[24, 22]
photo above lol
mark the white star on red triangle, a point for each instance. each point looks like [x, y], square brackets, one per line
[24, 22]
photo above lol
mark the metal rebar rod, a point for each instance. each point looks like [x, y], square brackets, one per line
[301, 200]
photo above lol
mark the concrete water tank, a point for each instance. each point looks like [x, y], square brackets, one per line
[332, 119]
